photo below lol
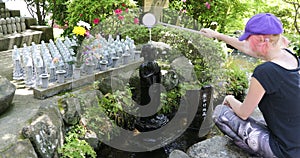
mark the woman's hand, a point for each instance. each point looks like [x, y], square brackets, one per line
[227, 100]
[209, 33]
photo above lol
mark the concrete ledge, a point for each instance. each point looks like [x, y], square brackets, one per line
[71, 84]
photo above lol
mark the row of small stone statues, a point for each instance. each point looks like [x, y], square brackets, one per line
[12, 25]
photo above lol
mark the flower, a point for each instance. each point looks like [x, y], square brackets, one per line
[118, 11]
[96, 21]
[84, 24]
[183, 0]
[120, 17]
[81, 31]
[207, 5]
[87, 33]
[136, 20]
[55, 60]
[78, 30]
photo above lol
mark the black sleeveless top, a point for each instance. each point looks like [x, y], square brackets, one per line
[280, 106]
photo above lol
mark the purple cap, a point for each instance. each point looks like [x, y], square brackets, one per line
[262, 24]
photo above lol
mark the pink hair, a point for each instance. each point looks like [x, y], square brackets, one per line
[262, 43]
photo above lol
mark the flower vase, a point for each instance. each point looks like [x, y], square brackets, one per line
[103, 65]
[45, 81]
[114, 61]
[76, 73]
[89, 68]
[126, 57]
[61, 76]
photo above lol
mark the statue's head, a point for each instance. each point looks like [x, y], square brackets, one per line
[149, 52]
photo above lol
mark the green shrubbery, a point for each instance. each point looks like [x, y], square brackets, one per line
[295, 43]
[67, 13]
[75, 145]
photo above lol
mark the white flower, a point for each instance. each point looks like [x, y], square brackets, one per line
[84, 24]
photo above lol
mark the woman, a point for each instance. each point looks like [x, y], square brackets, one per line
[274, 88]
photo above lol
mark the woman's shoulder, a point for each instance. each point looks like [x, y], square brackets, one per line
[264, 70]
[264, 66]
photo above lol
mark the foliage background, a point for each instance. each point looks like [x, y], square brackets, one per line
[230, 16]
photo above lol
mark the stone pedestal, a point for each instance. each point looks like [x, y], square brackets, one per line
[76, 73]
[45, 81]
[30, 22]
[60, 76]
[47, 32]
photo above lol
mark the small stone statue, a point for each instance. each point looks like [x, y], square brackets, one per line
[4, 27]
[9, 26]
[150, 73]
[23, 25]
[18, 24]
[13, 25]
[3, 13]
[7, 14]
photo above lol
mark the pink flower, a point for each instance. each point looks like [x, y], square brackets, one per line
[126, 10]
[87, 33]
[96, 21]
[183, 11]
[118, 11]
[120, 17]
[136, 20]
[207, 5]
[183, 0]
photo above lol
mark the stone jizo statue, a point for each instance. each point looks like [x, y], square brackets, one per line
[9, 26]
[4, 27]
[23, 25]
[13, 25]
[2, 13]
[18, 24]
[7, 14]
